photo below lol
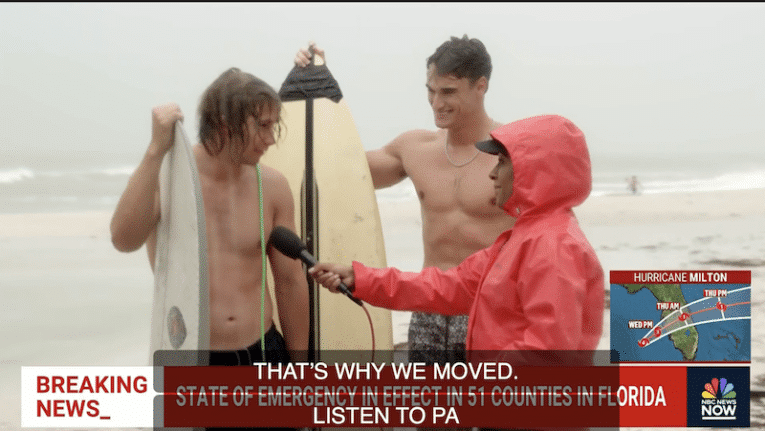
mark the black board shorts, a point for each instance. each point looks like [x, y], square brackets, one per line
[276, 353]
[275, 347]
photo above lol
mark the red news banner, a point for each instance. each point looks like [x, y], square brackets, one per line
[489, 394]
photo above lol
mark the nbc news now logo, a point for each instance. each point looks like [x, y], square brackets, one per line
[718, 401]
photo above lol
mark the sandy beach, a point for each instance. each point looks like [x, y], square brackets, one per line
[70, 299]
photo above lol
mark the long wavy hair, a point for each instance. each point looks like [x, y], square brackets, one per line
[225, 106]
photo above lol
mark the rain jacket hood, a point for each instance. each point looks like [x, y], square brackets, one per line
[551, 164]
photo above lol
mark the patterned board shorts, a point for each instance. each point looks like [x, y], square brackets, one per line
[436, 338]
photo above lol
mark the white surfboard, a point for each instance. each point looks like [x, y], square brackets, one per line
[345, 220]
[180, 319]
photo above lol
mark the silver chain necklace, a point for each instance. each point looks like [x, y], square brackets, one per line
[458, 165]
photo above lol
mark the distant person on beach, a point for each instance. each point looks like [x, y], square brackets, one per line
[449, 174]
[633, 184]
[239, 115]
[540, 286]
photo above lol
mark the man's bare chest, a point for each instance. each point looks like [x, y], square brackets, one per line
[234, 221]
[454, 189]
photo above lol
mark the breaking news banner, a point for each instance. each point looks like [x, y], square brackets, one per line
[679, 358]
[87, 397]
[485, 394]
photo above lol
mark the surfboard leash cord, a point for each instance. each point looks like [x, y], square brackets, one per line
[263, 267]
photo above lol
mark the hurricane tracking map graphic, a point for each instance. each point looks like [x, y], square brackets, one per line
[681, 316]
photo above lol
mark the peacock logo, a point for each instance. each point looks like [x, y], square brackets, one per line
[718, 400]
[712, 389]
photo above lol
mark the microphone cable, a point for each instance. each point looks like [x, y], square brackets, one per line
[371, 328]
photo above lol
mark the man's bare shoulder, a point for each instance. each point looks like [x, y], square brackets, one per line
[415, 139]
[275, 181]
[419, 135]
[269, 172]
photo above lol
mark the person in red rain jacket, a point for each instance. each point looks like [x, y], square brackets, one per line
[540, 286]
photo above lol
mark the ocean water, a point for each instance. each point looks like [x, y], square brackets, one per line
[670, 173]
[61, 189]
[47, 184]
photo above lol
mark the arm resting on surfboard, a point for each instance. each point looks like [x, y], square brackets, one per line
[388, 165]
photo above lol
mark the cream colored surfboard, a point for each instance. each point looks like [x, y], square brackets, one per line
[347, 218]
[180, 320]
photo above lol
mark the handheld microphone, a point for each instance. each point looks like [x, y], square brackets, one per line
[290, 245]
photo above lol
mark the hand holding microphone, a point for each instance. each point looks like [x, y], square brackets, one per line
[332, 276]
[328, 275]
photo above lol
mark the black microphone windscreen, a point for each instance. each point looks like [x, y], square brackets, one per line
[290, 245]
[287, 242]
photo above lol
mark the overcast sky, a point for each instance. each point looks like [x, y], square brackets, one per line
[79, 78]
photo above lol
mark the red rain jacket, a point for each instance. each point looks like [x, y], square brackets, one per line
[540, 285]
